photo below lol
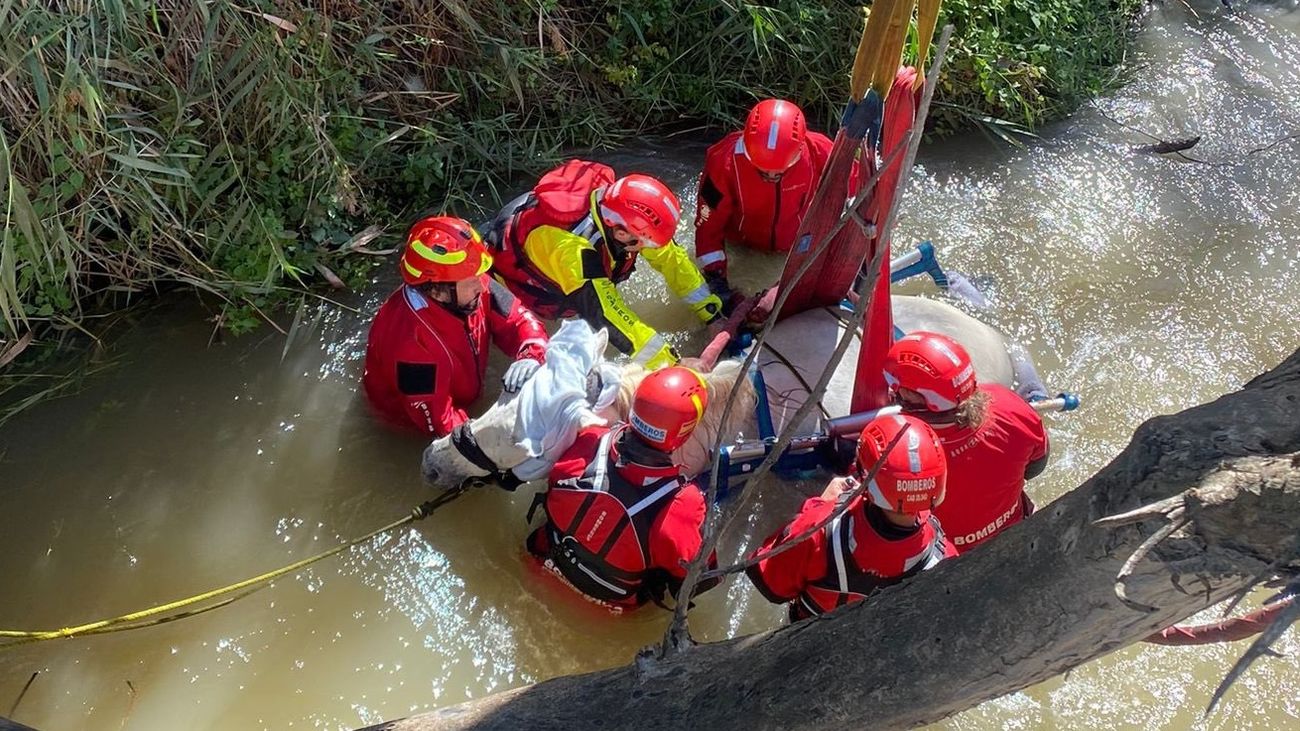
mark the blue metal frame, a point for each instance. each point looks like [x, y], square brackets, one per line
[740, 459]
[928, 264]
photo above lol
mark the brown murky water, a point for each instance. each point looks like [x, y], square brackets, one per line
[1145, 284]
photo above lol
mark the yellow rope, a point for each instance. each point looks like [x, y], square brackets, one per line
[132, 620]
[927, 18]
[880, 48]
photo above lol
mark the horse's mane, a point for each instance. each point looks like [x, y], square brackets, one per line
[694, 454]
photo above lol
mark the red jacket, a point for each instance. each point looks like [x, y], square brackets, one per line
[425, 363]
[986, 468]
[847, 560]
[736, 205]
[638, 549]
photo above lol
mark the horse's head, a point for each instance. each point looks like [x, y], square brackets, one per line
[528, 432]
[696, 454]
[472, 448]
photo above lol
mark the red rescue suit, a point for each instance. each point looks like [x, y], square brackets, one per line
[617, 530]
[736, 205]
[425, 362]
[987, 466]
[847, 560]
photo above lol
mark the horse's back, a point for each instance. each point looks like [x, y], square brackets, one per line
[800, 345]
[987, 346]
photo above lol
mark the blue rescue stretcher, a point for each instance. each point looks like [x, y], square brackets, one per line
[806, 454]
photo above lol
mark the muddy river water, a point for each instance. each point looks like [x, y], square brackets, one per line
[1146, 284]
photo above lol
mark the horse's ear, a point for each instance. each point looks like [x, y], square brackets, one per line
[601, 340]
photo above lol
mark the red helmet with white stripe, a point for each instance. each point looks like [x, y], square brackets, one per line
[774, 135]
[642, 205]
[914, 476]
[934, 366]
[443, 249]
[667, 406]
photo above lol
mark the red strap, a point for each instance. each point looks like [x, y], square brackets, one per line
[1227, 630]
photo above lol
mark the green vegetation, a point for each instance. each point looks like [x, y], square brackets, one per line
[237, 147]
[1027, 62]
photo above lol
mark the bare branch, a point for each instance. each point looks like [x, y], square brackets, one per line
[1161, 509]
[1263, 645]
[1177, 521]
[1177, 147]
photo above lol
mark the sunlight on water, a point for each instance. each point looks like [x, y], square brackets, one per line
[1146, 284]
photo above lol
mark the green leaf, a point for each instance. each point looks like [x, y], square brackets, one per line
[146, 165]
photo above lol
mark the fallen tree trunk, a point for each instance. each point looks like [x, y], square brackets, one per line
[1039, 600]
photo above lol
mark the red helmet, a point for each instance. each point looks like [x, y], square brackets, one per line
[643, 205]
[933, 365]
[667, 405]
[914, 476]
[774, 135]
[443, 249]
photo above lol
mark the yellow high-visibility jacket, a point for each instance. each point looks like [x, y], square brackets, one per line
[579, 263]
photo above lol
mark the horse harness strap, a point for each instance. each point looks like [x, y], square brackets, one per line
[462, 438]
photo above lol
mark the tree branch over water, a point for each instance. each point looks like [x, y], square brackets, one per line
[1032, 605]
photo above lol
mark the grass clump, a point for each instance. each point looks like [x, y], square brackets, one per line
[1028, 62]
[235, 147]
[145, 143]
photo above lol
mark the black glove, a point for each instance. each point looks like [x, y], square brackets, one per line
[838, 454]
[718, 285]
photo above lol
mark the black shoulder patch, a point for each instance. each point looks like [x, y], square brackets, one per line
[709, 193]
[503, 302]
[416, 379]
[593, 266]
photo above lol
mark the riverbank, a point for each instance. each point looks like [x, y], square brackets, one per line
[238, 148]
[1147, 284]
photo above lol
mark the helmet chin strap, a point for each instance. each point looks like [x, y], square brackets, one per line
[633, 449]
[455, 307]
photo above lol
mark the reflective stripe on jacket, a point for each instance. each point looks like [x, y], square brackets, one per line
[861, 561]
[847, 560]
[626, 552]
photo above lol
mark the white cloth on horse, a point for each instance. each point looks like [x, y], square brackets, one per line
[562, 396]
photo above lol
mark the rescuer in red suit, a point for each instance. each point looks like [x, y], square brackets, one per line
[566, 245]
[886, 534]
[621, 519]
[756, 185]
[993, 439]
[427, 352]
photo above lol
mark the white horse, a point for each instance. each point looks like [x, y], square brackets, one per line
[799, 348]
